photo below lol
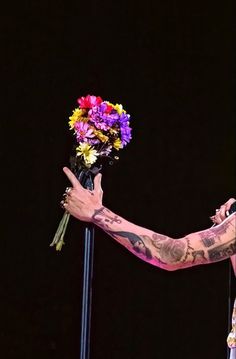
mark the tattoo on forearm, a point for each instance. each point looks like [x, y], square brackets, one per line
[102, 215]
[165, 250]
[137, 242]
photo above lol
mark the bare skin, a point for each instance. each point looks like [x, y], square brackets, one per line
[218, 218]
[208, 246]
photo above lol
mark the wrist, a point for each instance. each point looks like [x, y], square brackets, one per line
[97, 214]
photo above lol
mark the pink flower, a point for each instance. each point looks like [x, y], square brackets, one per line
[89, 101]
[83, 131]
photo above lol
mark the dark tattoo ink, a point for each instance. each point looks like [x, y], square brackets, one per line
[136, 241]
[198, 254]
[187, 250]
[102, 215]
[171, 250]
[223, 251]
[208, 241]
[97, 212]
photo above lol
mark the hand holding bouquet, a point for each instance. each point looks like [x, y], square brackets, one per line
[99, 128]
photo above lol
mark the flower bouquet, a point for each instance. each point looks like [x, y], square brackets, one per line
[99, 128]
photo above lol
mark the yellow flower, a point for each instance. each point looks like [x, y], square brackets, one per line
[77, 115]
[101, 136]
[117, 144]
[88, 153]
[113, 131]
[119, 109]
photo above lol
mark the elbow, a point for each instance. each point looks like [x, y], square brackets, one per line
[170, 268]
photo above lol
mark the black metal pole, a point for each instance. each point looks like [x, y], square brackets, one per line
[87, 182]
[87, 293]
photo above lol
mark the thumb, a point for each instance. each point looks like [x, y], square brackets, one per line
[97, 181]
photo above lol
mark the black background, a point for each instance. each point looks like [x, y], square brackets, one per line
[171, 65]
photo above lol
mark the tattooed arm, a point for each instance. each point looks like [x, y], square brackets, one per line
[219, 217]
[202, 247]
[211, 245]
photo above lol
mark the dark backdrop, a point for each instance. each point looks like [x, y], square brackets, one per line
[171, 65]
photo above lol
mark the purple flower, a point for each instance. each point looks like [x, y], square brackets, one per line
[98, 118]
[124, 119]
[83, 131]
[103, 117]
[125, 132]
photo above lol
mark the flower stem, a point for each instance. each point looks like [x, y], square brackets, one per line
[58, 239]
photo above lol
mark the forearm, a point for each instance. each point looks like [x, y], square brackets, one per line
[211, 245]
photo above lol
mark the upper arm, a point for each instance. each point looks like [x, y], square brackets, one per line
[210, 245]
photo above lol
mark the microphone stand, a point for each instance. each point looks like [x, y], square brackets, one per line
[232, 274]
[86, 181]
[232, 264]
[85, 177]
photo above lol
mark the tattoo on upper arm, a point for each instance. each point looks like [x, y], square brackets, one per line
[209, 238]
[214, 232]
[208, 241]
[220, 230]
[223, 251]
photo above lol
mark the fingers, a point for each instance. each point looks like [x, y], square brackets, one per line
[221, 213]
[66, 200]
[229, 203]
[216, 219]
[68, 190]
[71, 177]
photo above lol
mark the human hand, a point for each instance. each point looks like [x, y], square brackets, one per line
[221, 213]
[79, 201]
